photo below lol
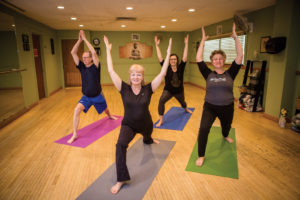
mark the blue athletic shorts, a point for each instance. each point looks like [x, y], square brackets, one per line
[98, 102]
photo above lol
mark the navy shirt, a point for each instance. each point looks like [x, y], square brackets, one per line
[219, 87]
[90, 77]
[174, 80]
[137, 115]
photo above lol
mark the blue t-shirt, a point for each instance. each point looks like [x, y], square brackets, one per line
[90, 77]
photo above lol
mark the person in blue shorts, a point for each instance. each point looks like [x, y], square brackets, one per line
[89, 68]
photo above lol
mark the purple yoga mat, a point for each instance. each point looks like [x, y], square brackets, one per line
[92, 132]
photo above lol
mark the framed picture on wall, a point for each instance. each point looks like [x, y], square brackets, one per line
[135, 37]
[263, 42]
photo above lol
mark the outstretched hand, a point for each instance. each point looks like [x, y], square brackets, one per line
[169, 47]
[186, 39]
[107, 44]
[234, 35]
[204, 36]
[157, 41]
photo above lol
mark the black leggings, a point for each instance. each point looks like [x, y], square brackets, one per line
[126, 135]
[209, 114]
[166, 96]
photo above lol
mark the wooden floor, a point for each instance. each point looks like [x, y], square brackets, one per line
[32, 166]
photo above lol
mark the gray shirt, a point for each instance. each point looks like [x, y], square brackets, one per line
[219, 87]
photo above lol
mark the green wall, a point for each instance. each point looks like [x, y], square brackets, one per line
[9, 60]
[281, 86]
[121, 65]
[25, 25]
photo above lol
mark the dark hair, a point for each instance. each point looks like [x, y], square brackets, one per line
[174, 54]
[221, 52]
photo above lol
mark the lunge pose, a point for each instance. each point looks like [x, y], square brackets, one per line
[219, 100]
[89, 68]
[137, 119]
[173, 80]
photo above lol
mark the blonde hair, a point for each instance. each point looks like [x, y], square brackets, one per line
[137, 68]
[221, 52]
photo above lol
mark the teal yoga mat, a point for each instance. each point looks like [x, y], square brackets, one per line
[220, 156]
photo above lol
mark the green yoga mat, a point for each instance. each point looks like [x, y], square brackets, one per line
[220, 156]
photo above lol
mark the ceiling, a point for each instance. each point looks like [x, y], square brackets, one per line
[100, 15]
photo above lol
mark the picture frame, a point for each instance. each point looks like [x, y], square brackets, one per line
[263, 42]
[25, 38]
[96, 41]
[135, 37]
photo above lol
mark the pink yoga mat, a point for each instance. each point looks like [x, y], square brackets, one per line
[92, 132]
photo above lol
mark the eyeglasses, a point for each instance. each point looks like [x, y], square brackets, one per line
[173, 59]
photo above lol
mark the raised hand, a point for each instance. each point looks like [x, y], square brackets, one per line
[79, 37]
[234, 35]
[204, 36]
[169, 47]
[186, 39]
[82, 34]
[157, 41]
[107, 44]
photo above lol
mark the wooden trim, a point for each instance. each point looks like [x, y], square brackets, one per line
[16, 115]
[12, 71]
[13, 88]
[53, 92]
[270, 117]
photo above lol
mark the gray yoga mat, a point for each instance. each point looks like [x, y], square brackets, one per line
[143, 162]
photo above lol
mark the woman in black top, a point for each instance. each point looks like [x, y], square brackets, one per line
[219, 92]
[136, 98]
[173, 80]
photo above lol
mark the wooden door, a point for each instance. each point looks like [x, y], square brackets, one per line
[71, 73]
[38, 65]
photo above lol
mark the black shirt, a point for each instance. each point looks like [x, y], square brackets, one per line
[174, 80]
[219, 87]
[90, 77]
[137, 115]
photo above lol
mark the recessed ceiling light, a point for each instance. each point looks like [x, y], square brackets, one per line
[123, 25]
[174, 20]
[192, 10]
[13, 25]
[129, 8]
[163, 26]
[60, 7]
[81, 25]
[74, 18]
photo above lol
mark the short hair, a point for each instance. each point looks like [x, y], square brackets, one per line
[221, 52]
[137, 68]
[90, 53]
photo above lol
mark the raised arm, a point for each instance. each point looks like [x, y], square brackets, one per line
[186, 47]
[75, 50]
[91, 48]
[113, 75]
[157, 42]
[238, 47]
[158, 79]
[199, 56]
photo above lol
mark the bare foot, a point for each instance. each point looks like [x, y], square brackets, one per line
[112, 117]
[188, 110]
[200, 161]
[229, 140]
[159, 123]
[116, 188]
[72, 139]
[156, 141]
